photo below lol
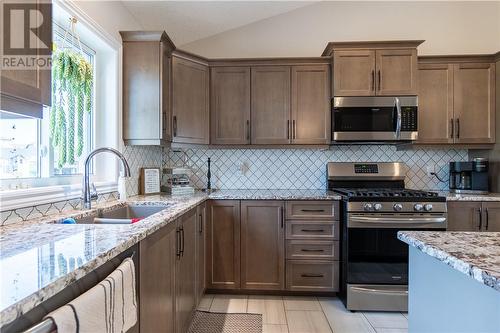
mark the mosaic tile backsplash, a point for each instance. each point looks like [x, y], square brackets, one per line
[305, 168]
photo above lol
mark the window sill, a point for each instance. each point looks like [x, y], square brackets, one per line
[35, 196]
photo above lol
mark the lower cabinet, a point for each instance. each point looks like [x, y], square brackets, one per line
[262, 245]
[156, 280]
[200, 252]
[473, 216]
[223, 244]
[185, 283]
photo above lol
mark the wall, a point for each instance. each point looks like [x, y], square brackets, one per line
[448, 28]
[305, 168]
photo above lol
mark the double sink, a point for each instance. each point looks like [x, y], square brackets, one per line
[127, 214]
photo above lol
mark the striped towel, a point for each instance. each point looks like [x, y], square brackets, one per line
[110, 306]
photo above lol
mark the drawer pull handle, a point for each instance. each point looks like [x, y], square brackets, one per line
[312, 210]
[313, 230]
[312, 250]
[312, 275]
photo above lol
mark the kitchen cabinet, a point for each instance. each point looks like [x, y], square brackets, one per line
[262, 245]
[456, 100]
[473, 216]
[26, 91]
[185, 283]
[190, 100]
[200, 252]
[147, 87]
[311, 105]
[230, 105]
[223, 244]
[374, 68]
[156, 284]
[270, 111]
[435, 109]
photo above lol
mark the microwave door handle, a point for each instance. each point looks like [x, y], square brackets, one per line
[398, 120]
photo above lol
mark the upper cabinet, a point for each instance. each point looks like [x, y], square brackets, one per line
[190, 100]
[147, 87]
[374, 68]
[230, 105]
[28, 90]
[456, 100]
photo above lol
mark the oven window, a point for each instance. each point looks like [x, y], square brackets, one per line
[363, 119]
[376, 256]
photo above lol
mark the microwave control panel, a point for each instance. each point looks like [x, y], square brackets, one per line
[408, 118]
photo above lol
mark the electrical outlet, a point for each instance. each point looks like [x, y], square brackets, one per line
[431, 168]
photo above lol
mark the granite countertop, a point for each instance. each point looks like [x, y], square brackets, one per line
[470, 197]
[40, 257]
[476, 254]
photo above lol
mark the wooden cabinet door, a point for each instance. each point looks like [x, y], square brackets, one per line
[262, 245]
[223, 244]
[190, 102]
[464, 216]
[435, 99]
[166, 92]
[185, 286]
[311, 104]
[474, 102]
[491, 210]
[156, 283]
[200, 252]
[230, 105]
[270, 105]
[396, 72]
[354, 73]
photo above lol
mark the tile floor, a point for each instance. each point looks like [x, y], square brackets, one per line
[289, 314]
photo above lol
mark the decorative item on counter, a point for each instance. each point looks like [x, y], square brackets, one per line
[149, 181]
[209, 178]
[178, 181]
[68, 220]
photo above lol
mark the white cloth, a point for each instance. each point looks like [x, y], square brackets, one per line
[110, 306]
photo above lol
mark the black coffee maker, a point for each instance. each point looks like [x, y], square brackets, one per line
[469, 177]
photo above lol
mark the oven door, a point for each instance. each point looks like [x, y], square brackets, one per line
[374, 119]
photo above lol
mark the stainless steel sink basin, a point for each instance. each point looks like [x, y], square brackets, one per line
[122, 215]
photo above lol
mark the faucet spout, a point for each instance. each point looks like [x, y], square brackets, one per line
[86, 195]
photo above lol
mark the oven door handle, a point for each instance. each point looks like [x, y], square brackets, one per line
[397, 133]
[389, 220]
[380, 291]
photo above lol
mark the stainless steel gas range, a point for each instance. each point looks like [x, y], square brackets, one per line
[375, 205]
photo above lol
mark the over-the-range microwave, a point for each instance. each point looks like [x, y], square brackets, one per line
[375, 119]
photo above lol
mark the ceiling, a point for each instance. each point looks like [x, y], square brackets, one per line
[188, 21]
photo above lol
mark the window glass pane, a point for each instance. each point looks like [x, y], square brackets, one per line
[19, 146]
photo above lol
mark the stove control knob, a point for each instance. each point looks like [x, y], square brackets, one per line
[368, 207]
[428, 207]
[398, 207]
[418, 207]
[377, 206]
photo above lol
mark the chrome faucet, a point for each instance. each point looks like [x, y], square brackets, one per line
[86, 195]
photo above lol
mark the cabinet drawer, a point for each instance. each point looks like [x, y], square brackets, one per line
[312, 210]
[312, 275]
[303, 249]
[309, 230]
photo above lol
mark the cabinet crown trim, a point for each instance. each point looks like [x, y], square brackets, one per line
[331, 46]
[147, 36]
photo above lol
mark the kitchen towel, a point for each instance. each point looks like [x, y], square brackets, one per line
[110, 306]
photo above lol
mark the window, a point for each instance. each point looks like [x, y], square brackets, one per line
[27, 144]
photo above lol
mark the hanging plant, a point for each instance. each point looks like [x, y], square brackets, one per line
[72, 81]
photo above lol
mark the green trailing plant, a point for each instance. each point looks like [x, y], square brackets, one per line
[72, 81]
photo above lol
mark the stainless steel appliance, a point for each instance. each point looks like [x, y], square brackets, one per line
[375, 119]
[469, 177]
[375, 206]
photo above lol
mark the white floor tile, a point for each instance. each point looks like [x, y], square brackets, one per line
[386, 319]
[229, 304]
[295, 303]
[271, 308]
[342, 320]
[391, 330]
[206, 302]
[307, 322]
[269, 328]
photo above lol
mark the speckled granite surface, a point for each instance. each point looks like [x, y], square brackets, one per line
[470, 197]
[40, 257]
[476, 254]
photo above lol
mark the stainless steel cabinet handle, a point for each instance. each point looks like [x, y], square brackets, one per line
[480, 219]
[312, 275]
[373, 80]
[312, 250]
[312, 230]
[398, 120]
[177, 243]
[282, 220]
[312, 210]
[379, 79]
[175, 125]
[458, 128]
[365, 219]
[182, 241]
[248, 130]
[288, 129]
[200, 228]
[294, 134]
[452, 131]
[487, 219]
